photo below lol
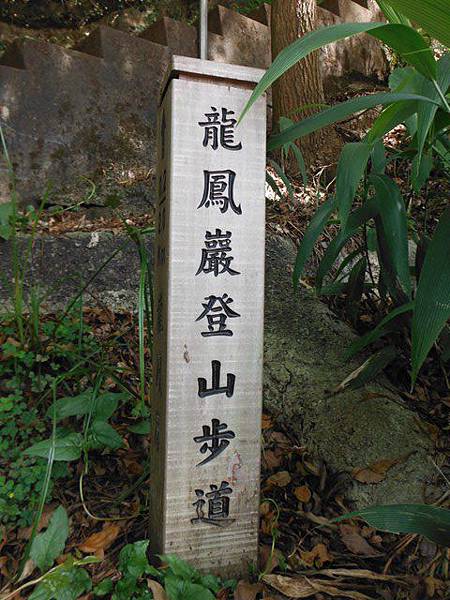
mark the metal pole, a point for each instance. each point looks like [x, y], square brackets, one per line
[203, 34]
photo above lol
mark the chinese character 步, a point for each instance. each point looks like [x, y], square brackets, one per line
[214, 439]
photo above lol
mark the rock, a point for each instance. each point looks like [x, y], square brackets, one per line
[304, 344]
[61, 266]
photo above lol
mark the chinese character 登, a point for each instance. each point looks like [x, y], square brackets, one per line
[218, 191]
[215, 257]
[218, 438]
[215, 388]
[219, 129]
[217, 311]
[218, 505]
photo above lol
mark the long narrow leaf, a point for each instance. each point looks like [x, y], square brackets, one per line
[312, 232]
[430, 521]
[360, 216]
[392, 232]
[403, 39]
[432, 306]
[351, 167]
[379, 331]
[339, 113]
[432, 15]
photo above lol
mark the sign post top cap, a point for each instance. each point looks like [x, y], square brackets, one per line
[210, 70]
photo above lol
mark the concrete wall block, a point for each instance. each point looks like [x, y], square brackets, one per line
[241, 40]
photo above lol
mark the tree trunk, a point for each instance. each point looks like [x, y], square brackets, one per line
[302, 84]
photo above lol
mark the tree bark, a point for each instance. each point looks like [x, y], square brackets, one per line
[302, 84]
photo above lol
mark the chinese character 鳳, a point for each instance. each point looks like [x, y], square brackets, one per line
[215, 257]
[215, 388]
[217, 311]
[218, 505]
[218, 190]
[218, 438]
[219, 129]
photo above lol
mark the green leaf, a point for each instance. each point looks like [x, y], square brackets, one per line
[314, 229]
[180, 589]
[422, 165]
[67, 583]
[426, 112]
[350, 170]
[378, 331]
[105, 435]
[411, 46]
[338, 113]
[179, 567]
[355, 285]
[432, 15]
[47, 546]
[392, 234]
[67, 448]
[133, 560]
[369, 369]
[390, 117]
[430, 521]
[105, 587]
[284, 178]
[357, 218]
[141, 427]
[432, 306]
[404, 40]
[6, 211]
[76, 406]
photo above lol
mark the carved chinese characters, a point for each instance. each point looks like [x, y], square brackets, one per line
[208, 316]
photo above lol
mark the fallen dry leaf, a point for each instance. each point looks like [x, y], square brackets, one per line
[377, 471]
[97, 543]
[282, 440]
[317, 556]
[247, 591]
[305, 588]
[273, 458]
[280, 479]
[354, 541]
[266, 422]
[294, 588]
[157, 590]
[303, 493]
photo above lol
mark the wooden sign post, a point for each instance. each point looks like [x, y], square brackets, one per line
[208, 318]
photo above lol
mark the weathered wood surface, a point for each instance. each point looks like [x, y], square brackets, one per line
[208, 327]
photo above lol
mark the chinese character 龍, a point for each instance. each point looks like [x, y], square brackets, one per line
[218, 437]
[219, 129]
